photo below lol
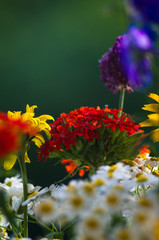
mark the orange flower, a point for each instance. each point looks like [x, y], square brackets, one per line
[144, 150]
[70, 166]
[11, 132]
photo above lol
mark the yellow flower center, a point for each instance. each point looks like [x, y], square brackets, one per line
[71, 188]
[110, 174]
[99, 211]
[156, 173]
[76, 202]
[46, 208]
[140, 217]
[124, 234]
[119, 187]
[98, 182]
[9, 184]
[88, 188]
[112, 200]
[146, 203]
[113, 168]
[33, 194]
[156, 230]
[140, 177]
[92, 223]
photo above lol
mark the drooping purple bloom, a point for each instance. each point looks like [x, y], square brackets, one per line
[112, 72]
[136, 49]
[148, 9]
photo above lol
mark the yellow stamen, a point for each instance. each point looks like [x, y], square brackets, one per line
[32, 194]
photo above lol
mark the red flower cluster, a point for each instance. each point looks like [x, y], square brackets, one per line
[84, 123]
[10, 135]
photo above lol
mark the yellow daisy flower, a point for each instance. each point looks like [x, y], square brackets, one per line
[36, 125]
[153, 119]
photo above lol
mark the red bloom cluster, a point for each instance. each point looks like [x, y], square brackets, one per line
[10, 134]
[124, 123]
[85, 122]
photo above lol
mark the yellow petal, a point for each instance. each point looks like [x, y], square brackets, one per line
[154, 107]
[27, 116]
[30, 109]
[10, 161]
[26, 158]
[41, 125]
[149, 123]
[14, 115]
[47, 133]
[154, 97]
[155, 135]
[35, 122]
[46, 117]
[38, 140]
[154, 116]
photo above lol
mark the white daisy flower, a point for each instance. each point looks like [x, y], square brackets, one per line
[45, 209]
[35, 194]
[91, 225]
[13, 181]
[3, 220]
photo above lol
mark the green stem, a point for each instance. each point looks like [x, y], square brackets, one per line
[25, 190]
[121, 100]
[54, 228]
[69, 225]
[37, 221]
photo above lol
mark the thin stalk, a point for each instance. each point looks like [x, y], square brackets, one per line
[69, 225]
[54, 228]
[59, 224]
[25, 190]
[121, 100]
[37, 221]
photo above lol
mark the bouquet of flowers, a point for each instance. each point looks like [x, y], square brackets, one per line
[118, 199]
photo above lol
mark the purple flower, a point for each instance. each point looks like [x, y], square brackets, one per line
[136, 49]
[112, 72]
[148, 9]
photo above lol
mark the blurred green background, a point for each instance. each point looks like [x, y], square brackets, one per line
[49, 57]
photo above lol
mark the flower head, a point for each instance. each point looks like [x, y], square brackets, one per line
[11, 132]
[45, 209]
[32, 127]
[35, 124]
[112, 71]
[153, 119]
[136, 48]
[77, 138]
[147, 9]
